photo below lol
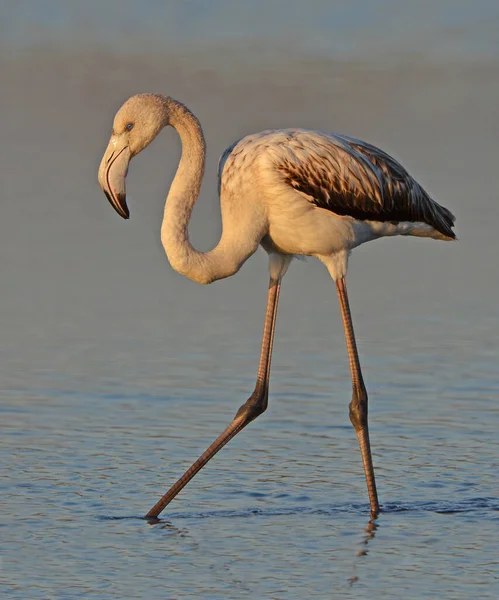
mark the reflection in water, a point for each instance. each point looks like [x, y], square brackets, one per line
[171, 528]
[369, 533]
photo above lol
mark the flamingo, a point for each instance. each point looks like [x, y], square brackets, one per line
[293, 192]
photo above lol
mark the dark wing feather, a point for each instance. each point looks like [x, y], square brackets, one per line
[350, 177]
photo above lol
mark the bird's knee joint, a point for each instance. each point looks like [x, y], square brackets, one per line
[358, 410]
[253, 407]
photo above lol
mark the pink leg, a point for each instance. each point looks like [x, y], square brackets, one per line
[252, 408]
[358, 406]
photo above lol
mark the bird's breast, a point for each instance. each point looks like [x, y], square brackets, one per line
[297, 227]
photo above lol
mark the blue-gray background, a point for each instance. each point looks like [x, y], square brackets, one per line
[116, 372]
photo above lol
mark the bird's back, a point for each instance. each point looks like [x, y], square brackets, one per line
[337, 173]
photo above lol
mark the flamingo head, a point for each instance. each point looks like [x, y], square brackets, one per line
[135, 126]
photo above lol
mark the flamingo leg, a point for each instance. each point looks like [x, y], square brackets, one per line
[358, 405]
[252, 408]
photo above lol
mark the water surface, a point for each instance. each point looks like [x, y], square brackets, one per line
[116, 372]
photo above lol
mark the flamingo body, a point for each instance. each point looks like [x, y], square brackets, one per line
[323, 194]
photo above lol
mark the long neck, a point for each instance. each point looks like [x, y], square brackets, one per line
[184, 191]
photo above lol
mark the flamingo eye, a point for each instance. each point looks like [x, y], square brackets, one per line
[129, 127]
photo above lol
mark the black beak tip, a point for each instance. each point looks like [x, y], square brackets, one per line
[125, 213]
[120, 206]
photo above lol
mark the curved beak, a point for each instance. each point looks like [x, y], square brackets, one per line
[112, 173]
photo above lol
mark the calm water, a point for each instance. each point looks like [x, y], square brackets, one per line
[116, 372]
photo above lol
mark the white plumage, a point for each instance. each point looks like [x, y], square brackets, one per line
[293, 191]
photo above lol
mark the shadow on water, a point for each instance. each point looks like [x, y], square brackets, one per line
[469, 505]
[449, 507]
